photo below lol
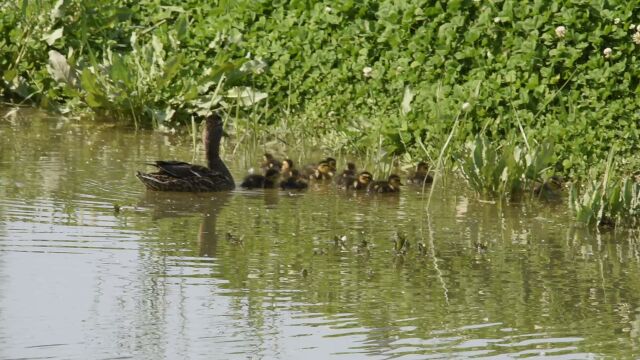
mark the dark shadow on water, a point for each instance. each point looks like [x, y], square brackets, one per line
[172, 205]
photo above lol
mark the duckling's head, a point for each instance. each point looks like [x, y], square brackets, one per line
[365, 178]
[287, 165]
[422, 167]
[351, 166]
[268, 160]
[323, 170]
[331, 162]
[394, 181]
[555, 182]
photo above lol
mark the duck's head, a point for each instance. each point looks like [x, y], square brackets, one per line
[365, 178]
[556, 182]
[394, 181]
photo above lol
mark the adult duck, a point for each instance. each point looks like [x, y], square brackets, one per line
[181, 176]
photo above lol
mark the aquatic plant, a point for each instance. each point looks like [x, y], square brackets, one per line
[503, 171]
[607, 202]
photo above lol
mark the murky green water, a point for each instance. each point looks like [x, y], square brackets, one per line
[253, 274]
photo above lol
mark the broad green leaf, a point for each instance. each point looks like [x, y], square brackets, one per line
[53, 36]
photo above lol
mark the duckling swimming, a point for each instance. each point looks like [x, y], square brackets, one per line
[268, 162]
[421, 175]
[361, 182]
[347, 177]
[266, 181]
[550, 188]
[322, 171]
[286, 168]
[294, 181]
[392, 185]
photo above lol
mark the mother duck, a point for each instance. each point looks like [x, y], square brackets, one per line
[181, 176]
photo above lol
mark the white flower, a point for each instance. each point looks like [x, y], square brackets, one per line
[616, 21]
[607, 52]
[466, 106]
[496, 20]
[632, 27]
[328, 9]
[636, 38]
[561, 31]
[367, 71]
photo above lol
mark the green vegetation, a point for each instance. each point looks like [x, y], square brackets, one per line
[383, 78]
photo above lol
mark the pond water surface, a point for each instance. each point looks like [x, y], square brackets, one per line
[260, 274]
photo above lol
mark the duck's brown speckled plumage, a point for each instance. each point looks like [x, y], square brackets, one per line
[185, 177]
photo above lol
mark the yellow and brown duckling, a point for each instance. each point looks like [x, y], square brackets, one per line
[332, 164]
[347, 177]
[421, 175]
[294, 181]
[322, 171]
[361, 182]
[550, 188]
[266, 181]
[268, 162]
[286, 168]
[392, 185]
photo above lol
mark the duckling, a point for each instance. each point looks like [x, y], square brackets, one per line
[294, 181]
[286, 168]
[332, 164]
[268, 162]
[421, 175]
[266, 181]
[361, 182]
[322, 171]
[549, 188]
[392, 184]
[348, 176]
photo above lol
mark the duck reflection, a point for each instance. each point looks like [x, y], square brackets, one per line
[172, 205]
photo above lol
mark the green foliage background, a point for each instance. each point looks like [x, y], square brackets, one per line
[426, 59]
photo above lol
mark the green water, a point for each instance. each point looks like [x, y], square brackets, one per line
[259, 274]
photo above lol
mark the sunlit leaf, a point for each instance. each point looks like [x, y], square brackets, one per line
[246, 95]
[59, 69]
[53, 36]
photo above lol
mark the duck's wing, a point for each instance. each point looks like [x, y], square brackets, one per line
[181, 169]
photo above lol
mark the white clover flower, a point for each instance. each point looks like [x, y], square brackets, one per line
[367, 71]
[607, 52]
[616, 21]
[636, 38]
[466, 106]
[496, 19]
[561, 31]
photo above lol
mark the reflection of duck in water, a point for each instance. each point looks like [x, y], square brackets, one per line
[181, 176]
[166, 206]
[392, 185]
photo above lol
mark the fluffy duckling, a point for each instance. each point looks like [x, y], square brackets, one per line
[421, 175]
[550, 188]
[266, 181]
[286, 168]
[294, 181]
[332, 164]
[268, 162]
[392, 184]
[348, 176]
[361, 182]
[322, 171]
